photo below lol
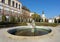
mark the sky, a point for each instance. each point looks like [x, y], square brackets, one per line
[50, 7]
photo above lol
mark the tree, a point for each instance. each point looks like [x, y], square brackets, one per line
[3, 18]
[55, 20]
[12, 19]
[36, 17]
[25, 17]
[25, 8]
[18, 19]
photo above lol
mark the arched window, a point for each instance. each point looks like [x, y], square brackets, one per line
[19, 6]
[16, 5]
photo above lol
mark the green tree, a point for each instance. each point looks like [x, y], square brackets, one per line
[3, 18]
[12, 19]
[36, 17]
[18, 19]
[55, 20]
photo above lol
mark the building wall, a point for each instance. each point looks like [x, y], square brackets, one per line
[26, 15]
[57, 19]
[51, 21]
[9, 10]
[12, 8]
[31, 14]
[26, 12]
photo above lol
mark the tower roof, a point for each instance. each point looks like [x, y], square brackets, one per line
[42, 12]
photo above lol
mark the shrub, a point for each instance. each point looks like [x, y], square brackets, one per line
[3, 18]
[12, 19]
[46, 24]
[21, 24]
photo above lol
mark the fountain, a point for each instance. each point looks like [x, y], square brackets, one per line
[34, 31]
[33, 26]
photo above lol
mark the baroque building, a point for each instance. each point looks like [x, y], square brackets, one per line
[25, 16]
[10, 8]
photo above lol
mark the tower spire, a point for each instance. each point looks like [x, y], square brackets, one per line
[42, 12]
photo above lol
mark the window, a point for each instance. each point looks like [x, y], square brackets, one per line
[19, 6]
[13, 3]
[16, 5]
[3, 1]
[9, 2]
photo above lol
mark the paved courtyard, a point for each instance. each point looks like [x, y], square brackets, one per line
[53, 38]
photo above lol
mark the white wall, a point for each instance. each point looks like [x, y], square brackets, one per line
[31, 14]
[51, 20]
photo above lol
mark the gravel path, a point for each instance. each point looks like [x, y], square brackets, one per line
[53, 38]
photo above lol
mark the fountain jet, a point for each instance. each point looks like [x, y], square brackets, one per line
[33, 27]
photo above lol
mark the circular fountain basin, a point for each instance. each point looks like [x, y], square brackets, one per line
[25, 32]
[28, 32]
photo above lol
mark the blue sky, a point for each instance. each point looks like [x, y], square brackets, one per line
[50, 7]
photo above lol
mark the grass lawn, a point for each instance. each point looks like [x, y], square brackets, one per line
[46, 24]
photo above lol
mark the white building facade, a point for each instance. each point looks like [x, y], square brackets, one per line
[50, 20]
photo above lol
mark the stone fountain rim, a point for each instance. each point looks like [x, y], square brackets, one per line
[29, 37]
